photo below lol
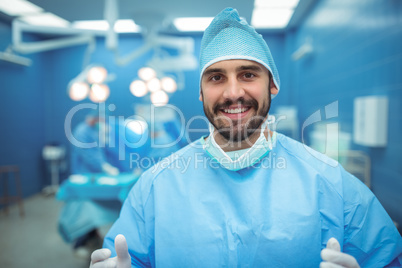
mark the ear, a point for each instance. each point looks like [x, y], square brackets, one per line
[200, 98]
[273, 89]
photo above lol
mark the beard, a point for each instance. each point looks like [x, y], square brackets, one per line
[235, 130]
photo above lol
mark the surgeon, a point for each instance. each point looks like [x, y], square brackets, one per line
[89, 156]
[248, 197]
[79, 219]
[165, 138]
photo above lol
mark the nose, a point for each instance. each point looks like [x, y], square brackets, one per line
[233, 90]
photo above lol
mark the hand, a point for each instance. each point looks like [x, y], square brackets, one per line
[101, 258]
[333, 257]
[109, 169]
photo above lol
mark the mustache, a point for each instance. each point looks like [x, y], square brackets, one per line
[225, 105]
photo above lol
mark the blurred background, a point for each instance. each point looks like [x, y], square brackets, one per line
[340, 65]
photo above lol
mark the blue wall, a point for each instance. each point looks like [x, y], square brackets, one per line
[357, 52]
[22, 96]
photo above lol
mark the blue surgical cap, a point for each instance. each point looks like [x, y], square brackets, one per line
[229, 37]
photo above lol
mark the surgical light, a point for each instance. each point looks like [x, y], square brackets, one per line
[138, 88]
[97, 75]
[99, 92]
[146, 73]
[168, 84]
[159, 98]
[90, 83]
[154, 85]
[149, 82]
[79, 91]
[137, 126]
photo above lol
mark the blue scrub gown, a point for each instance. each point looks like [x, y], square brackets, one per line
[188, 211]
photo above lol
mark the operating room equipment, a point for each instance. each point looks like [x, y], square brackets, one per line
[91, 201]
[54, 155]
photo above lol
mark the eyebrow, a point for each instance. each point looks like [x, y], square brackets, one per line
[255, 68]
[212, 70]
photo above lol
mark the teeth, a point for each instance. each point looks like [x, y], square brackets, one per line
[235, 111]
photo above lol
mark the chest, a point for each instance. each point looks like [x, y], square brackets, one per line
[249, 222]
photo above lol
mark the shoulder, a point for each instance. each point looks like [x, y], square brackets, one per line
[304, 154]
[329, 172]
[306, 160]
[173, 162]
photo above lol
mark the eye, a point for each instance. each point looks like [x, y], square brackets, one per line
[216, 77]
[249, 75]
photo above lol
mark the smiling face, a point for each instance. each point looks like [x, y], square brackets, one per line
[236, 97]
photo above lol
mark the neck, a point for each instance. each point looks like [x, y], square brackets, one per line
[228, 145]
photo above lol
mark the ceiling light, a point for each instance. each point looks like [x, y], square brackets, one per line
[97, 75]
[121, 26]
[271, 18]
[159, 98]
[192, 24]
[275, 3]
[78, 91]
[146, 73]
[126, 26]
[99, 93]
[97, 25]
[168, 84]
[45, 19]
[138, 88]
[18, 7]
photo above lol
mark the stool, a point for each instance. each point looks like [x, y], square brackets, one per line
[5, 172]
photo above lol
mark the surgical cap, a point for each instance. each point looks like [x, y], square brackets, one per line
[229, 37]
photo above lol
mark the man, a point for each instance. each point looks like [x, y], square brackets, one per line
[85, 159]
[91, 157]
[249, 197]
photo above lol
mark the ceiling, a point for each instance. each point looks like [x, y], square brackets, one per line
[158, 14]
[145, 13]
